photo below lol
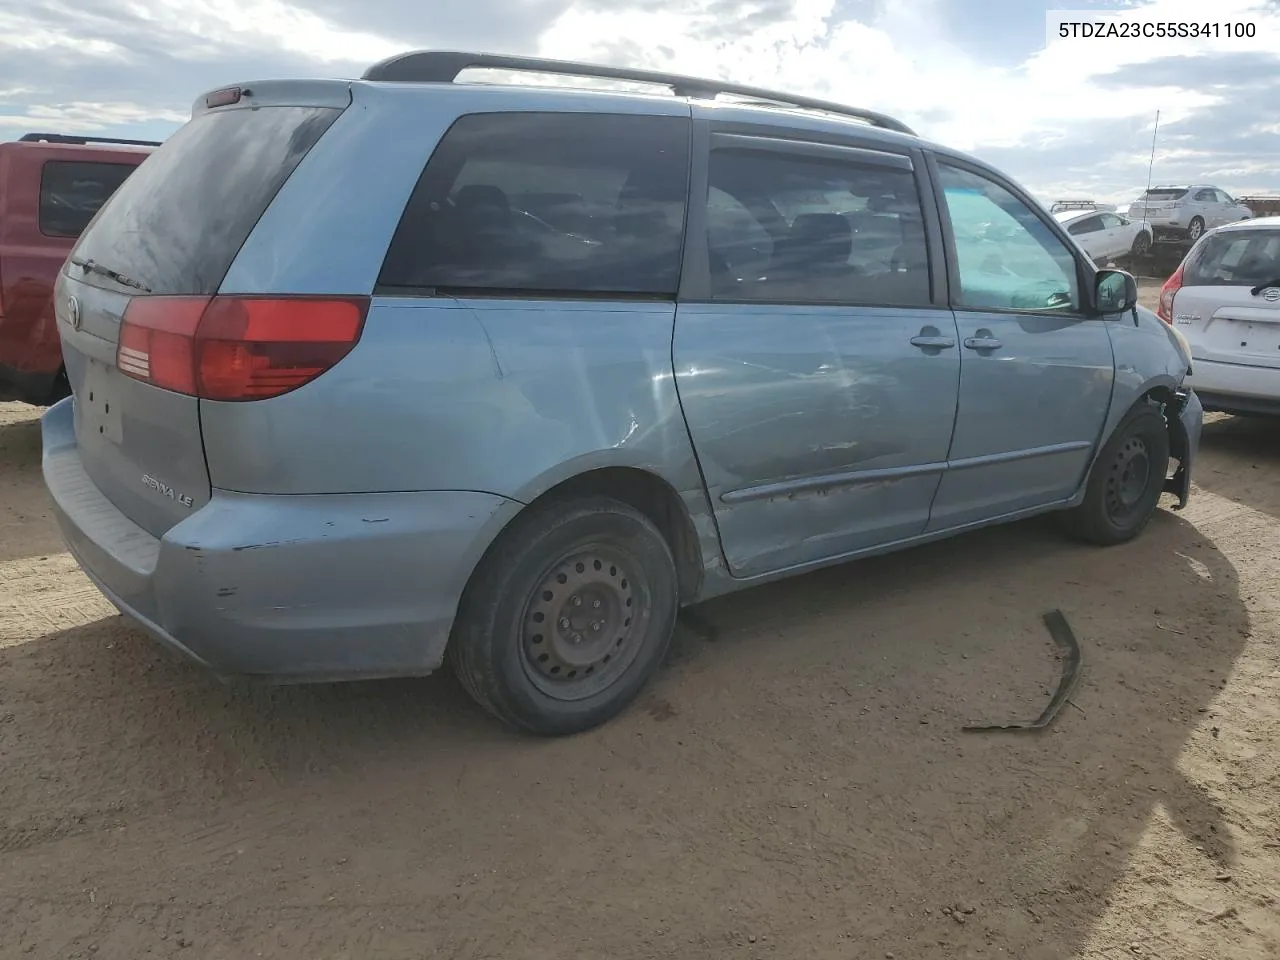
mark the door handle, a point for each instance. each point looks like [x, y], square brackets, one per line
[924, 341]
[981, 343]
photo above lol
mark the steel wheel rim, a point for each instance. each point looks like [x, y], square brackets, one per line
[583, 624]
[1128, 480]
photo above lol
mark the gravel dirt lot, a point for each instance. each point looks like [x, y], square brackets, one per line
[795, 784]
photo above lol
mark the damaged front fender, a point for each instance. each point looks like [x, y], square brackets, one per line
[1184, 416]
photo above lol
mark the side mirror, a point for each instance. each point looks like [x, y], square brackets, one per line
[1115, 291]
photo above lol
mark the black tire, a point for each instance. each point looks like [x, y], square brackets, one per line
[567, 617]
[1141, 245]
[1195, 228]
[1126, 481]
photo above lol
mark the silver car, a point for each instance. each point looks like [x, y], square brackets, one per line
[372, 373]
[1186, 212]
[1225, 300]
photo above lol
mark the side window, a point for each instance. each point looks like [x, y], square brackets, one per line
[820, 230]
[1110, 221]
[1087, 225]
[71, 192]
[739, 243]
[551, 203]
[1208, 195]
[1007, 257]
[1222, 197]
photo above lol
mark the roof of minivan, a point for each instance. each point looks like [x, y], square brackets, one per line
[528, 95]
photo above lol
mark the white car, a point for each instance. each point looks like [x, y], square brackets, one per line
[1106, 236]
[1186, 212]
[1224, 299]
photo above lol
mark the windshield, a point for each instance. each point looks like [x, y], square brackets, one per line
[1236, 259]
[1165, 193]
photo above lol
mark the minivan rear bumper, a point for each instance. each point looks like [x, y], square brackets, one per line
[287, 588]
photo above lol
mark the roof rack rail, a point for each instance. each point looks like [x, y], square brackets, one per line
[72, 138]
[444, 66]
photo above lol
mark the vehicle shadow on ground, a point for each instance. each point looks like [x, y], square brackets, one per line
[1249, 477]
[796, 778]
[22, 493]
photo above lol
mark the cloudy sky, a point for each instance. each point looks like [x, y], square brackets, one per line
[1070, 117]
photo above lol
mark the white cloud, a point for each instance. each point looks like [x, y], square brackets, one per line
[84, 117]
[204, 28]
[903, 62]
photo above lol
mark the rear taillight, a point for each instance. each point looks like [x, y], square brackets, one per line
[1171, 286]
[224, 97]
[236, 348]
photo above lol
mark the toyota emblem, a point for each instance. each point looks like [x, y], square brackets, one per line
[1271, 294]
[73, 313]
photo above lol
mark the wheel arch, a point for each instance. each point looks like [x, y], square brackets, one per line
[646, 491]
[1161, 388]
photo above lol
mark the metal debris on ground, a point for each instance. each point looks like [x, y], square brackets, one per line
[1072, 664]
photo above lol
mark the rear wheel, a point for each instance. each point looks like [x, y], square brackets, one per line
[1126, 481]
[1195, 228]
[567, 617]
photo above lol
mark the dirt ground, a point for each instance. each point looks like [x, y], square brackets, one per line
[794, 785]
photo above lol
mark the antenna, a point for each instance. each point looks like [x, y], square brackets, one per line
[1150, 166]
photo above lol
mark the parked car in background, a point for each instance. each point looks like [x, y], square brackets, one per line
[1186, 212]
[1106, 237]
[51, 185]
[1225, 300]
[571, 359]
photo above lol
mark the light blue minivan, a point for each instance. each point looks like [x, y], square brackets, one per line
[371, 373]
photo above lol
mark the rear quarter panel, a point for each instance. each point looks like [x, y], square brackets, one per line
[504, 397]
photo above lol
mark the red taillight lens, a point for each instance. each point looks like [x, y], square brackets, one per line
[236, 348]
[157, 341]
[1171, 286]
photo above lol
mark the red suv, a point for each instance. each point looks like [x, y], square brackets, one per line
[51, 185]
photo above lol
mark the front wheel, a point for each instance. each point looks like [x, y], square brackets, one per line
[1126, 481]
[567, 616]
[1141, 244]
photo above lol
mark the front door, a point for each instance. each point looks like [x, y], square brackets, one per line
[1089, 234]
[1117, 240]
[1035, 374]
[817, 372]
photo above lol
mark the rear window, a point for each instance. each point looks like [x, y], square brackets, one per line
[71, 192]
[1165, 193]
[176, 224]
[556, 204]
[1235, 259]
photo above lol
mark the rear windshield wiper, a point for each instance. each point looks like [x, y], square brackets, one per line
[92, 266]
[1262, 286]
